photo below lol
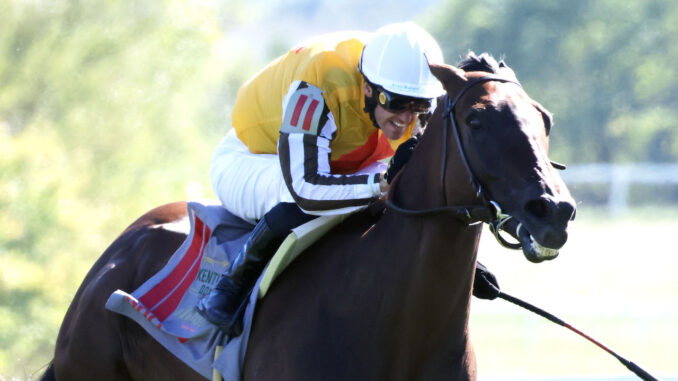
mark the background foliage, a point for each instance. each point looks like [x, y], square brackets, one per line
[603, 68]
[109, 108]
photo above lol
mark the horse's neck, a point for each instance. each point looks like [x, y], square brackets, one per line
[419, 185]
[428, 286]
[393, 294]
[438, 252]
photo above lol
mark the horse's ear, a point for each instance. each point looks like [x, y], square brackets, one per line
[450, 76]
[546, 116]
[506, 71]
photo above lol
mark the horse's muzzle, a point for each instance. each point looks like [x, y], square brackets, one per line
[533, 251]
[541, 227]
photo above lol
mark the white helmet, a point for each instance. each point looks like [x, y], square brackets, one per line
[397, 57]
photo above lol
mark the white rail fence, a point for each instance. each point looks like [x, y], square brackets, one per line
[620, 177]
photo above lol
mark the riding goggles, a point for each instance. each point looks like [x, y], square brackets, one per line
[397, 103]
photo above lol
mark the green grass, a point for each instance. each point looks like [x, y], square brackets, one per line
[614, 279]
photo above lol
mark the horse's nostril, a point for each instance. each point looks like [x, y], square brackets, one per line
[538, 208]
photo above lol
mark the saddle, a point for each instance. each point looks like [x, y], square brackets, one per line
[165, 304]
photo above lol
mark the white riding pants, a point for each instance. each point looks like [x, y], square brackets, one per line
[249, 185]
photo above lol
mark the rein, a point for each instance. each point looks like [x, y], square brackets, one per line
[489, 212]
[449, 115]
[640, 372]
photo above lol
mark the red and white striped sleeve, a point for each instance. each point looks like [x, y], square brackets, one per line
[304, 150]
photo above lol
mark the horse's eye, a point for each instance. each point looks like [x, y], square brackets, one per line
[473, 121]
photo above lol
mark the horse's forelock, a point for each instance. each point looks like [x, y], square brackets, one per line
[482, 62]
[485, 62]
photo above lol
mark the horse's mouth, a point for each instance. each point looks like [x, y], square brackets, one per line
[533, 251]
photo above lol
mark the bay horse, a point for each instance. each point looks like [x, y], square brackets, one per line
[380, 297]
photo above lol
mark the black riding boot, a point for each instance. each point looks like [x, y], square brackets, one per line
[225, 304]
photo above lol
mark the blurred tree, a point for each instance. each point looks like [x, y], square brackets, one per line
[107, 109]
[603, 67]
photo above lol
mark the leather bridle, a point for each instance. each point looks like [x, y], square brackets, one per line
[489, 211]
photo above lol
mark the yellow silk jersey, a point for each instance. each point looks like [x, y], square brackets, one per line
[329, 63]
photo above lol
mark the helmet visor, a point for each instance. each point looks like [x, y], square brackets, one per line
[397, 103]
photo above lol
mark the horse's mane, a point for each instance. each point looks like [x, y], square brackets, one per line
[484, 62]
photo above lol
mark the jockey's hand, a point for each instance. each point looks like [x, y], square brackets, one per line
[485, 285]
[400, 158]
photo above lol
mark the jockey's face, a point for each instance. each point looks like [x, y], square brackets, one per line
[392, 124]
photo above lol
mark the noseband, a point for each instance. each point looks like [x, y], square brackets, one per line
[489, 212]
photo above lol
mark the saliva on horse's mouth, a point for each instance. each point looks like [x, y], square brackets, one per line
[533, 250]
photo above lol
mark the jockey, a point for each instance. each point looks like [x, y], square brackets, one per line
[309, 133]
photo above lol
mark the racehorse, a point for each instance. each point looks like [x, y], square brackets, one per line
[386, 294]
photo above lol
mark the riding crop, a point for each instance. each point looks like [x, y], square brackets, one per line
[640, 372]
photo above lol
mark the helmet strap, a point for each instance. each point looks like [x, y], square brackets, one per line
[370, 106]
[371, 102]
